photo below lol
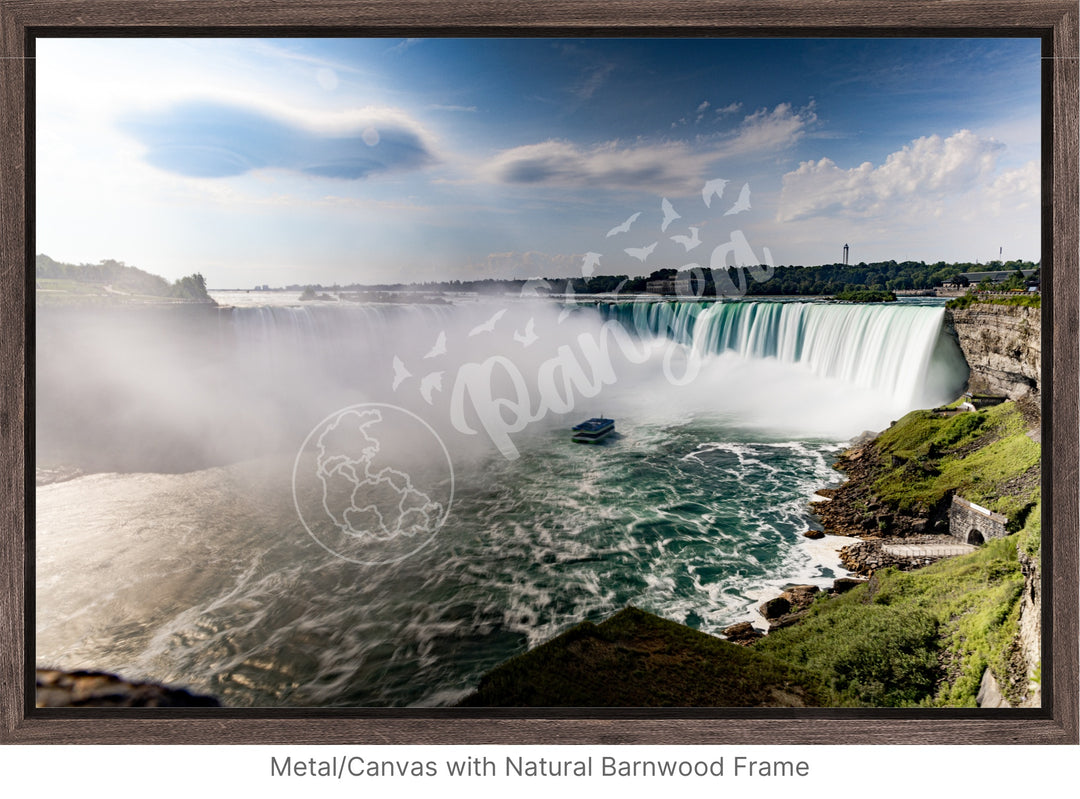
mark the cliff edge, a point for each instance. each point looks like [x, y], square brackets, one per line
[1002, 345]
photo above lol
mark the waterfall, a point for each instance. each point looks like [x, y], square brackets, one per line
[896, 349]
[176, 388]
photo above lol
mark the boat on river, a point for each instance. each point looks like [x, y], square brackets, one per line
[593, 430]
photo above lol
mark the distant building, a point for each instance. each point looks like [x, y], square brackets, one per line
[666, 286]
[1000, 276]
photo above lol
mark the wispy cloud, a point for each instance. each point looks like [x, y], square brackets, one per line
[675, 166]
[438, 107]
[213, 139]
[768, 131]
[403, 45]
[730, 108]
[670, 166]
[592, 81]
[278, 52]
[922, 174]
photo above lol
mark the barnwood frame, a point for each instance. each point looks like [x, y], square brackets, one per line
[1054, 21]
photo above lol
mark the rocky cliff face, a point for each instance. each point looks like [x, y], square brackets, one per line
[1029, 636]
[1002, 345]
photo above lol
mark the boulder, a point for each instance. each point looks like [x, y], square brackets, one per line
[100, 689]
[801, 596]
[742, 633]
[844, 584]
[775, 608]
[814, 534]
[786, 620]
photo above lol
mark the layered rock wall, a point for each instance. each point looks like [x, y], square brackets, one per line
[1002, 345]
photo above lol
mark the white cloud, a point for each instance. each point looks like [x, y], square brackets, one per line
[674, 166]
[1017, 189]
[767, 131]
[919, 178]
[208, 138]
[404, 45]
[730, 108]
[660, 167]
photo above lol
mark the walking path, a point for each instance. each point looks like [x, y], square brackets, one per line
[928, 550]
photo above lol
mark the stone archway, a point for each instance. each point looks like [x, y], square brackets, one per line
[975, 537]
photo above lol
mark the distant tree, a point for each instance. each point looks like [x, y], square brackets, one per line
[192, 287]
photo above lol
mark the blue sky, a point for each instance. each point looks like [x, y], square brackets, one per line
[376, 160]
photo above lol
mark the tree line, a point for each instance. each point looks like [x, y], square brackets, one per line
[120, 276]
[825, 280]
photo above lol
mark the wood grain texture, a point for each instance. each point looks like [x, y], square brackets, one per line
[671, 15]
[1054, 19]
[13, 226]
[1064, 477]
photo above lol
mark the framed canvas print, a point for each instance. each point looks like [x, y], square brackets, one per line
[461, 375]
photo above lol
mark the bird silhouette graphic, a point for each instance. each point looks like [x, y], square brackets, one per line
[689, 242]
[589, 263]
[641, 253]
[527, 338]
[401, 374]
[741, 204]
[431, 382]
[489, 325]
[670, 215]
[712, 187]
[440, 346]
[569, 304]
[624, 227]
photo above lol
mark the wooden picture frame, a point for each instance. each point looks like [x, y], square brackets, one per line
[1054, 21]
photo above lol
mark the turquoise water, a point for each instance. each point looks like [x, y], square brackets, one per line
[695, 510]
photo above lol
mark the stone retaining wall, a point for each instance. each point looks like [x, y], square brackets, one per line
[974, 524]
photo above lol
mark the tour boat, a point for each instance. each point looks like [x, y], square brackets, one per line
[593, 430]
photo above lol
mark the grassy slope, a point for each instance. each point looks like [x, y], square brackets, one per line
[920, 638]
[872, 644]
[907, 639]
[985, 457]
[1021, 300]
[636, 659]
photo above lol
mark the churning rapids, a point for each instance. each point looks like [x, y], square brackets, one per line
[197, 546]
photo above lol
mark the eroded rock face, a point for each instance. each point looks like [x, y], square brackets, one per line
[1002, 345]
[1029, 637]
[100, 689]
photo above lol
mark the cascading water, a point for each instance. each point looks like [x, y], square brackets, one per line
[180, 556]
[887, 348]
